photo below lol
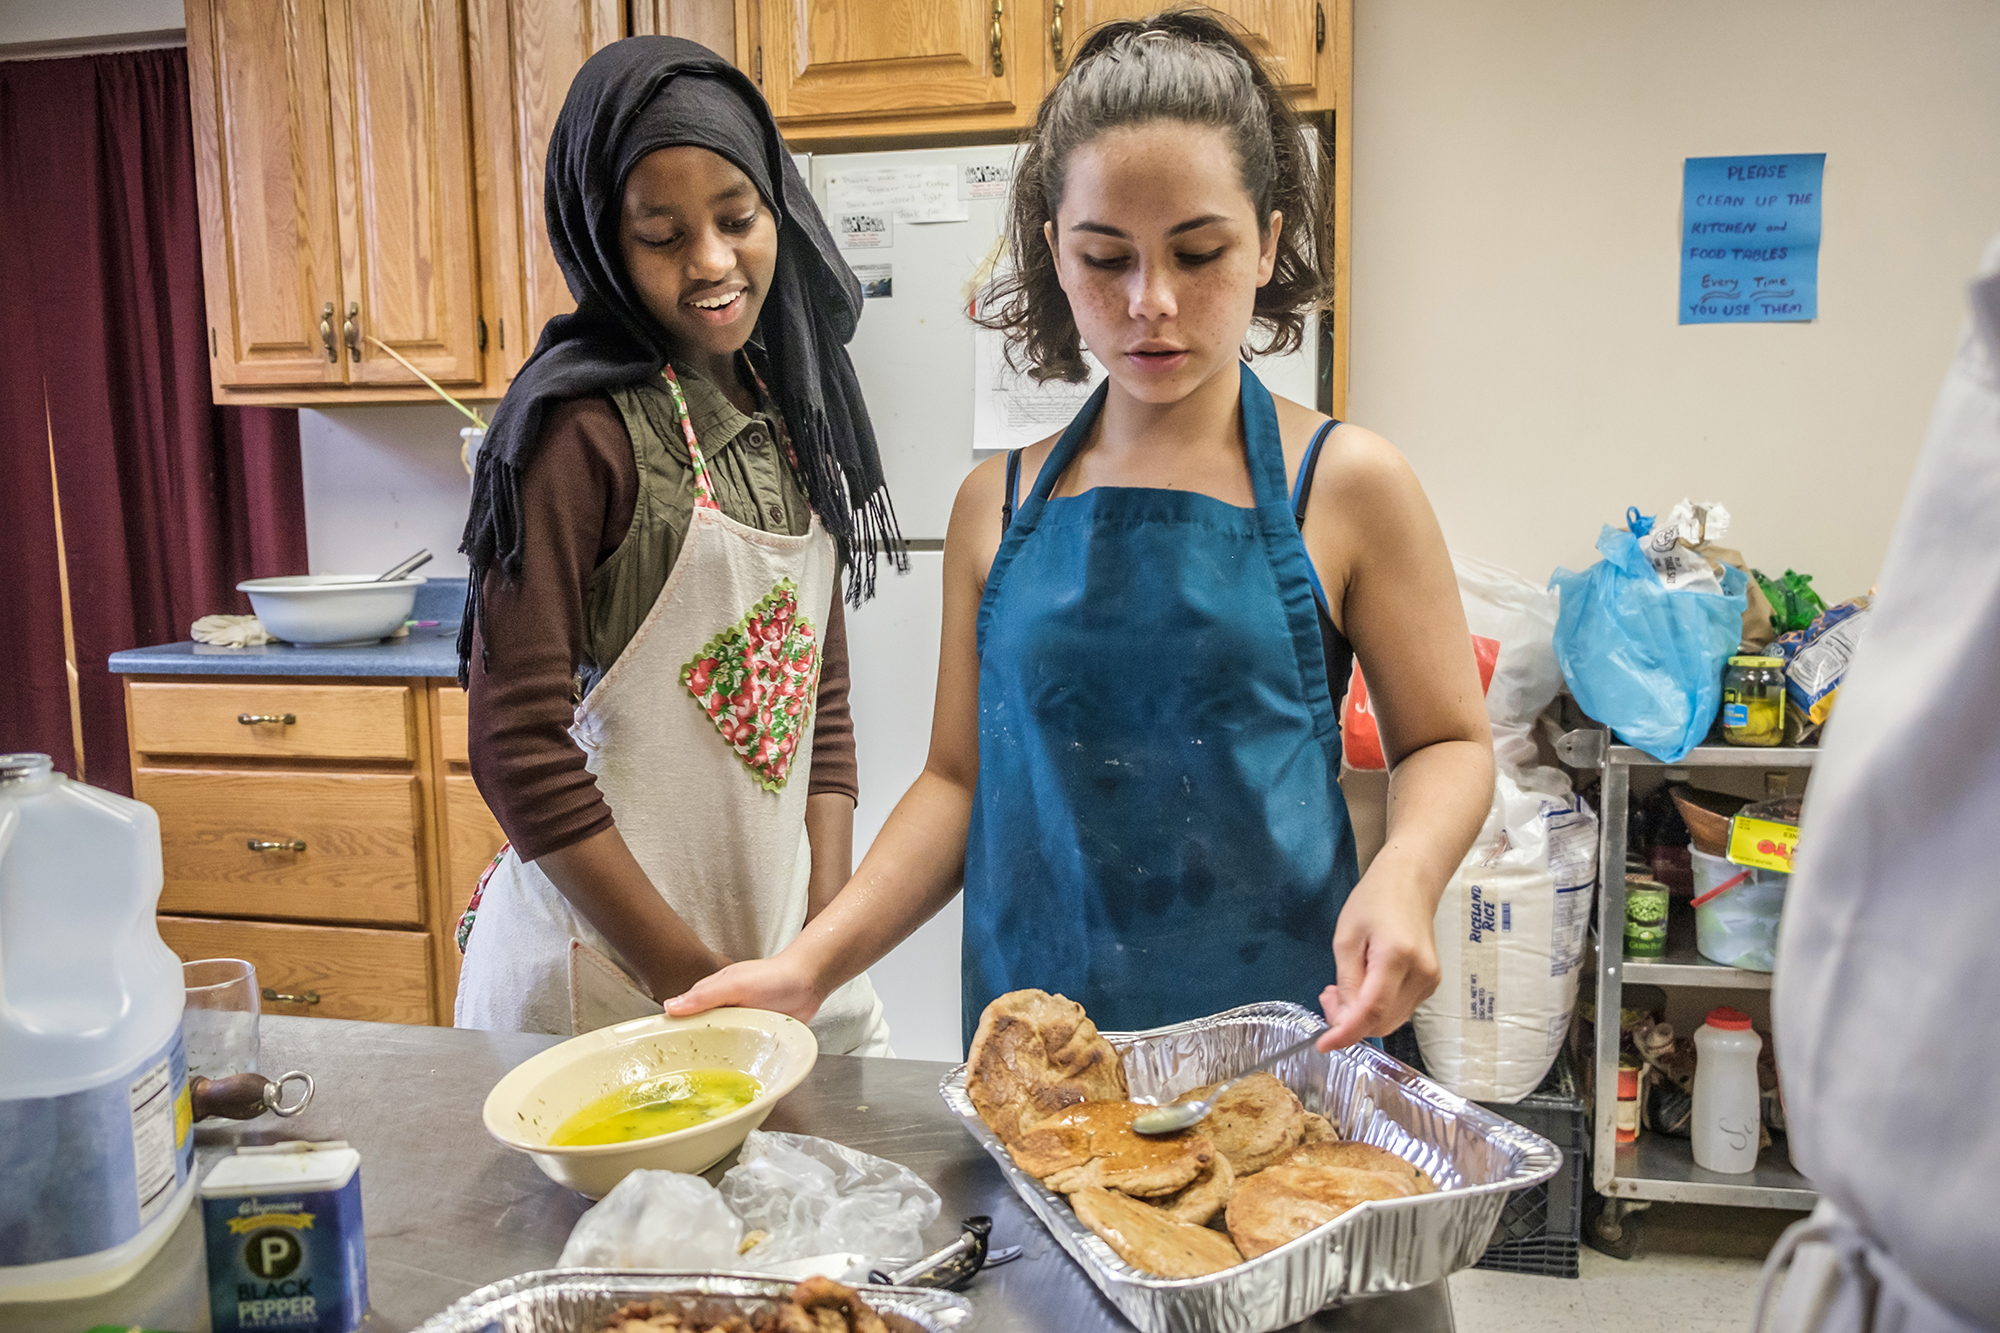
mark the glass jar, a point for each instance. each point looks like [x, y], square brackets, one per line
[1753, 701]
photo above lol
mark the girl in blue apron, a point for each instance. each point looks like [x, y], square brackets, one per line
[1147, 621]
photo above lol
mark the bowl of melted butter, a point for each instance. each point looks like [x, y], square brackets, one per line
[658, 1093]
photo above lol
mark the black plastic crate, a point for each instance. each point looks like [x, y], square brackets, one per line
[1541, 1227]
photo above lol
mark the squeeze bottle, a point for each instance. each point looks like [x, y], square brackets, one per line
[96, 1132]
[1727, 1112]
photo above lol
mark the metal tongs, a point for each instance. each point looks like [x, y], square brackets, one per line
[954, 1265]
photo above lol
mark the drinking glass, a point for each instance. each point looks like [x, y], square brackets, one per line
[221, 1019]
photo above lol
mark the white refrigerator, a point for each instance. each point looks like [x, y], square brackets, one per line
[918, 227]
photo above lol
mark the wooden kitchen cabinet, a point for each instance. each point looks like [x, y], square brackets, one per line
[527, 53]
[304, 827]
[1293, 35]
[333, 160]
[470, 835]
[839, 68]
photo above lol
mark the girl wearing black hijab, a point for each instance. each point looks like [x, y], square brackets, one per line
[653, 645]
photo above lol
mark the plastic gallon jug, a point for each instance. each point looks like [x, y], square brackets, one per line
[1727, 1112]
[96, 1141]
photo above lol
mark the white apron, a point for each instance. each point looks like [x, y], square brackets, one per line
[1887, 988]
[700, 738]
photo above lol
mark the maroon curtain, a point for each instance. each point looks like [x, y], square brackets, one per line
[167, 500]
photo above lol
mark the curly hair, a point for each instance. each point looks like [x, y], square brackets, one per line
[1186, 65]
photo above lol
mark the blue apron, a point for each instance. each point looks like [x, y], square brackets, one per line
[1157, 831]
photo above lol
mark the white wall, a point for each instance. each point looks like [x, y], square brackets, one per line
[380, 482]
[69, 20]
[1515, 261]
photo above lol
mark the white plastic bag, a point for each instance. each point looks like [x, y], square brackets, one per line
[1510, 932]
[828, 1209]
[656, 1219]
[1667, 546]
[1521, 618]
[817, 1197]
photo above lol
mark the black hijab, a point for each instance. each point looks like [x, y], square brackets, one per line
[628, 100]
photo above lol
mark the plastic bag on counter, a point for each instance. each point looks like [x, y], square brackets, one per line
[1643, 659]
[793, 1206]
[1510, 933]
[815, 1196]
[1512, 623]
[656, 1219]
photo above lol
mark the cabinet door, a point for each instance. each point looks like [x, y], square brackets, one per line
[527, 53]
[264, 171]
[1287, 33]
[893, 60]
[403, 174]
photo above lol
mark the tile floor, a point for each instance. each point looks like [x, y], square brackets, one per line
[1695, 1271]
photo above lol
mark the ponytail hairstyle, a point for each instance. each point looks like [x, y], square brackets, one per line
[1185, 65]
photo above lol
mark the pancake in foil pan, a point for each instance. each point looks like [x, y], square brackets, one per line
[580, 1300]
[1476, 1157]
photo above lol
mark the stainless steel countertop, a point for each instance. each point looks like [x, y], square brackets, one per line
[449, 1210]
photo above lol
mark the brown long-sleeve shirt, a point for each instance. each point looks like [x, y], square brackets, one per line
[577, 501]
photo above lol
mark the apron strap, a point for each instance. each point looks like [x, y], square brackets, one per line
[704, 487]
[1339, 652]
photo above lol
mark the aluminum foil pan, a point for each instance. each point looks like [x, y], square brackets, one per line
[579, 1300]
[1476, 1157]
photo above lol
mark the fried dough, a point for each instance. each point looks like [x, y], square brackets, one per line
[1204, 1198]
[1092, 1143]
[1360, 1157]
[1318, 1130]
[1151, 1241]
[1285, 1202]
[1034, 1055]
[1254, 1123]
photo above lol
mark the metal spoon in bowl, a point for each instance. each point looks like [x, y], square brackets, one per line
[402, 569]
[1177, 1116]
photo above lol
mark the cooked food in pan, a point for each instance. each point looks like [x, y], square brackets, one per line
[816, 1305]
[1259, 1167]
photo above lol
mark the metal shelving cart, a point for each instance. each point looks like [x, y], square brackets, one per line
[1631, 1175]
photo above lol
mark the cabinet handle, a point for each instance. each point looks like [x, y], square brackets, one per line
[288, 845]
[326, 331]
[999, 53]
[252, 719]
[1055, 34]
[1319, 27]
[280, 997]
[351, 330]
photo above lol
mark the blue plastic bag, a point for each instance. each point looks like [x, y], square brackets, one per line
[1644, 661]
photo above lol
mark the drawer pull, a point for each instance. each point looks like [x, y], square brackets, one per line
[280, 997]
[252, 719]
[288, 845]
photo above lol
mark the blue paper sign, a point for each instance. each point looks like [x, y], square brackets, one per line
[1750, 238]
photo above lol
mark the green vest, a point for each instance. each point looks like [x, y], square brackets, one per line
[753, 480]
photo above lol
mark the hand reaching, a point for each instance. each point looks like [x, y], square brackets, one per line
[776, 984]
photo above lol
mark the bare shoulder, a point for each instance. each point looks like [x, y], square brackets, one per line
[974, 536]
[1365, 478]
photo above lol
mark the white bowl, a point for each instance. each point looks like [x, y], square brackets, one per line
[332, 610]
[535, 1098]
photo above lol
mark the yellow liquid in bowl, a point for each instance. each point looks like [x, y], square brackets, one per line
[658, 1106]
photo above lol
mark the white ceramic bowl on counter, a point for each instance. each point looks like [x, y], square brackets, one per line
[332, 610]
[527, 1106]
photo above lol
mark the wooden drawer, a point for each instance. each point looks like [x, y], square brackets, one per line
[472, 839]
[325, 721]
[381, 976]
[453, 726]
[362, 857]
